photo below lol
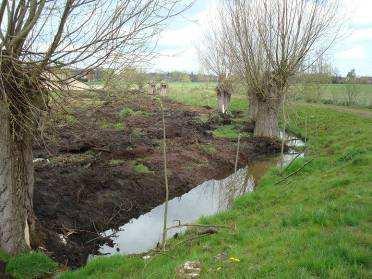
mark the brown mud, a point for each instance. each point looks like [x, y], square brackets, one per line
[103, 166]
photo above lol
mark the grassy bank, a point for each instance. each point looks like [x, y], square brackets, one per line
[314, 224]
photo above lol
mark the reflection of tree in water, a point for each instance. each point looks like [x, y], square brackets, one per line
[234, 186]
[244, 180]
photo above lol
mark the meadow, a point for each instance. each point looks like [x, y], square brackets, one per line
[354, 95]
[335, 94]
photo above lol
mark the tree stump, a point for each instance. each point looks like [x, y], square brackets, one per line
[152, 88]
[223, 90]
[223, 98]
[163, 89]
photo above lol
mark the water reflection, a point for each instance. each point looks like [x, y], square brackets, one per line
[143, 233]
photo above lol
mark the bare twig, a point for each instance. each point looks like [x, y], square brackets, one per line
[191, 238]
[102, 236]
[198, 226]
[294, 159]
[237, 154]
[284, 134]
[293, 173]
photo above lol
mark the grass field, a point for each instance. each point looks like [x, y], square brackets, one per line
[202, 94]
[336, 94]
[315, 224]
[358, 95]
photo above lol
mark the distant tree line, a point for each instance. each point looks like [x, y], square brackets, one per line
[101, 74]
[328, 75]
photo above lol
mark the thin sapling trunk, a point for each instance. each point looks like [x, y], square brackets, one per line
[164, 238]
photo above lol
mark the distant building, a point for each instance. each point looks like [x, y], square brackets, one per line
[87, 75]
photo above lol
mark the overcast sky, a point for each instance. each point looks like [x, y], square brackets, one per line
[177, 44]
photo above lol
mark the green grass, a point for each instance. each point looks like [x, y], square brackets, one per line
[116, 162]
[208, 149]
[335, 94]
[202, 94]
[126, 112]
[104, 124]
[119, 126]
[137, 133]
[71, 120]
[315, 224]
[4, 256]
[140, 168]
[227, 131]
[29, 265]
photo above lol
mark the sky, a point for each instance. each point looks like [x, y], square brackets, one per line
[177, 45]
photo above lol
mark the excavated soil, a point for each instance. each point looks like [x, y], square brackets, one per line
[102, 165]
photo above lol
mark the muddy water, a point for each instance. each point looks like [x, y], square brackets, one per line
[142, 234]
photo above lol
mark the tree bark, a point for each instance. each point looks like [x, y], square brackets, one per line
[253, 107]
[152, 88]
[223, 98]
[16, 186]
[163, 89]
[267, 116]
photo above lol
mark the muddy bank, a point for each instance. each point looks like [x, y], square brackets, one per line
[103, 166]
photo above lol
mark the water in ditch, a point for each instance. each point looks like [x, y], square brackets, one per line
[143, 233]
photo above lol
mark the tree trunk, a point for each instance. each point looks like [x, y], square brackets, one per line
[267, 116]
[152, 88]
[16, 187]
[223, 98]
[163, 89]
[253, 107]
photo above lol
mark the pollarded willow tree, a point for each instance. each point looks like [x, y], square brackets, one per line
[269, 40]
[215, 59]
[40, 42]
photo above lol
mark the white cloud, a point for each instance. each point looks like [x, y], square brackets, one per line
[359, 11]
[183, 61]
[361, 34]
[355, 49]
[354, 53]
[178, 46]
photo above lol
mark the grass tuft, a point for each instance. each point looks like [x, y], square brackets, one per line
[141, 169]
[227, 131]
[31, 265]
[126, 112]
[208, 149]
